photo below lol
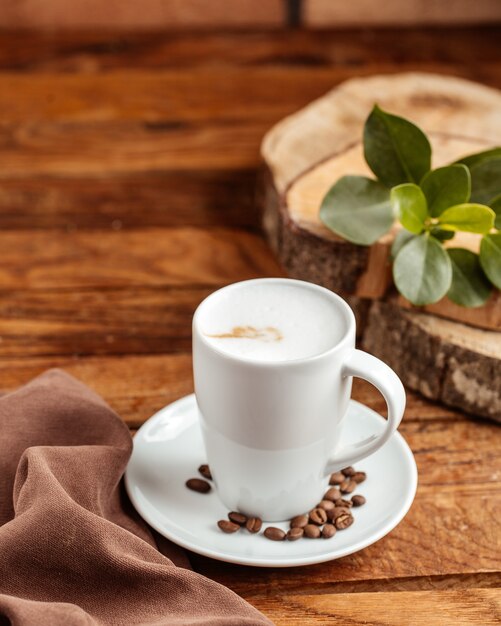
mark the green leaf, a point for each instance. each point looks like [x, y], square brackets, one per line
[470, 286]
[486, 181]
[474, 159]
[422, 270]
[490, 257]
[358, 209]
[442, 235]
[396, 150]
[496, 207]
[409, 204]
[469, 218]
[401, 238]
[445, 187]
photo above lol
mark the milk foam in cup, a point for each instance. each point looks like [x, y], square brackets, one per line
[273, 322]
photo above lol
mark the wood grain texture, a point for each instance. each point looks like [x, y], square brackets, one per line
[153, 256]
[127, 14]
[204, 198]
[422, 608]
[459, 49]
[336, 13]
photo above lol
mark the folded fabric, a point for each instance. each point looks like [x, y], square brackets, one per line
[72, 550]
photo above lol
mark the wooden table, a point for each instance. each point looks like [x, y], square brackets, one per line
[127, 177]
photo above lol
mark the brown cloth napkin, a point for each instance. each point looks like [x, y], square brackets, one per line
[72, 551]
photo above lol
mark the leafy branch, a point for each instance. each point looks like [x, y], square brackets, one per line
[431, 206]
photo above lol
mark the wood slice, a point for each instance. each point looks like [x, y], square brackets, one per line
[308, 151]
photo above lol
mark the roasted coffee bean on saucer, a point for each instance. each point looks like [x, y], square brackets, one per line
[326, 505]
[359, 477]
[337, 478]
[318, 516]
[358, 500]
[348, 471]
[332, 494]
[299, 521]
[228, 527]
[347, 486]
[312, 531]
[205, 471]
[295, 533]
[237, 518]
[275, 534]
[199, 485]
[328, 531]
[254, 524]
[343, 521]
[346, 503]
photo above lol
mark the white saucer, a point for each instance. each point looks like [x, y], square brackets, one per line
[168, 449]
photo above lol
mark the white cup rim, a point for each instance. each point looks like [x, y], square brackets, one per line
[345, 342]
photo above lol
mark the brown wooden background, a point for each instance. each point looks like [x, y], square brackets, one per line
[128, 165]
[270, 14]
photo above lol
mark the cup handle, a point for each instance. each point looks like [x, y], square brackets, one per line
[377, 373]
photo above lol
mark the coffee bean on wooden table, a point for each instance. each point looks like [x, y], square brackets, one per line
[337, 478]
[312, 531]
[343, 521]
[205, 471]
[348, 471]
[318, 516]
[199, 485]
[326, 505]
[299, 521]
[358, 500]
[275, 534]
[228, 527]
[253, 524]
[294, 534]
[347, 486]
[359, 477]
[237, 518]
[332, 494]
[328, 531]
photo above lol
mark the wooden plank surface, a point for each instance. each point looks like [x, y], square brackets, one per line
[126, 14]
[127, 169]
[337, 13]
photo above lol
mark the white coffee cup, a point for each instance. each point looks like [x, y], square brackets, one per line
[272, 384]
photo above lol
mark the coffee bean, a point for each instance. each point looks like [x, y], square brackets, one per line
[347, 486]
[275, 534]
[348, 471]
[328, 531]
[343, 521]
[311, 531]
[358, 500]
[228, 527]
[253, 524]
[346, 503]
[205, 471]
[359, 477]
[318, 516]
[294, 534]
[337, 511]
[332, 494]
[197, 484]
[299, 521]
[337, 478]
[326, 505]
[237, 518]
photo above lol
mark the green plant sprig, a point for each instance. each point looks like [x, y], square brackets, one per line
[431, 205]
